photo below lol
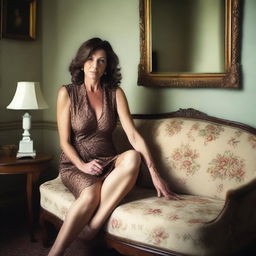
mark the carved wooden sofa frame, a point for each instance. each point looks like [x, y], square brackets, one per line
[234, 198]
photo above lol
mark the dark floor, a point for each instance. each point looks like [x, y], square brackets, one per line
[15, 241]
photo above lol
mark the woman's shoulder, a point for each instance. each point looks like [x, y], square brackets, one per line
[70, 88]
[120, 94]
[63, 95]
[115, 92]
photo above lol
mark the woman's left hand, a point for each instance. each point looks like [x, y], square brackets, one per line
[162, 187]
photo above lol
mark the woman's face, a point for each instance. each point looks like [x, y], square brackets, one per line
[95, 65]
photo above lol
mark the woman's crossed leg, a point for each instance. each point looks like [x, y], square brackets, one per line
[96, 202]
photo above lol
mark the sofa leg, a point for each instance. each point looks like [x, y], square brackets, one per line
[48, 231]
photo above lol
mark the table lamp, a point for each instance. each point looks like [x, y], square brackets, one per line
[28, 96]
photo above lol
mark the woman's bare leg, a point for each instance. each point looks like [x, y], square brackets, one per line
[78, 215]
[117, 184]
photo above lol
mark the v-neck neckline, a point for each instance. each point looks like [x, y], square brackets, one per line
[90, 106]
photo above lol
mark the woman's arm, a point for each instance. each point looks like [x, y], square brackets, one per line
[139, 144]
[64, 128]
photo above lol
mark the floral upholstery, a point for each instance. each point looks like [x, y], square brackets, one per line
[56, 198]
[191, 152]
[200, 160]
[166, 224]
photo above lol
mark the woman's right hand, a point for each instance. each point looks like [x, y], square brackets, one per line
[94, 167]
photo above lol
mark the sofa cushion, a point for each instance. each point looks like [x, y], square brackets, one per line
[189, 152]
[166, 224]
[158, 222]
[56, 198]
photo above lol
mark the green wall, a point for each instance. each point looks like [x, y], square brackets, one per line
[19, 61]
[63, 25]
[66, 24]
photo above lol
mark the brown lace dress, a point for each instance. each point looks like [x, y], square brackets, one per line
[91, 138]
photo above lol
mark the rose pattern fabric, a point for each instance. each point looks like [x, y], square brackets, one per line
[227, 166]
[174, 127]
[162, 223]
[55, 197]
[199, 158]
[185, 159]
[207, 140]
[116, 223]
[209, 132]
[153, 211]
[157, 236]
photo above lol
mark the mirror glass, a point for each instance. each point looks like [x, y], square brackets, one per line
[189, 43]
[188, 36]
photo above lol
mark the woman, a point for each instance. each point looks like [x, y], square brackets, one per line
[87, 112]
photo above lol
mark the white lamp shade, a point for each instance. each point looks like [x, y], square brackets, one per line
[28, 95]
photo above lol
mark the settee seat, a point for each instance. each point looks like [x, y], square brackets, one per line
[172, 225]
[169, 225]
[56, 198]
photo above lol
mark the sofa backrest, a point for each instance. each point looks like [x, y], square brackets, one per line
[196, 156]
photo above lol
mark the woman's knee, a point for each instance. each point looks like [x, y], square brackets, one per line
[132, 160]
[89, 198]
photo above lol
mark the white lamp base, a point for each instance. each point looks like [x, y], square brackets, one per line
[26, 144]
[26, 149]
[29, 154]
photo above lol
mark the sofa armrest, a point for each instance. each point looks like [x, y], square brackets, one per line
[238, 216]
[235, 198]
[241, 191]
[237, 220]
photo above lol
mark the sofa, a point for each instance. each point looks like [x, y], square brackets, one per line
[208, 161]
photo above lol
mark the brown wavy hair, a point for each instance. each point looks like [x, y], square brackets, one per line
[112, 76]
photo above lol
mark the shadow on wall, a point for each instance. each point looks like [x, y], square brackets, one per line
[150, 100]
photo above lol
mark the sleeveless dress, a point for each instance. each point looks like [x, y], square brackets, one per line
[91, 138]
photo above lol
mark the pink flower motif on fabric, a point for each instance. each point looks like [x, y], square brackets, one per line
[116, 224]
[194, 127]
[211, 132]
[227, 166]
[152, 211]
[173, 217]
[174, 127]
[158, 235]
[252, 141]
[184, 159]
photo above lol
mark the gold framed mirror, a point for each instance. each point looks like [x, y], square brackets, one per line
[198, 50]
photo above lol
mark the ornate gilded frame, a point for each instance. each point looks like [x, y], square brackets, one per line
[229, 79]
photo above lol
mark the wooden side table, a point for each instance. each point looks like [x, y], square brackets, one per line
[32, 167]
